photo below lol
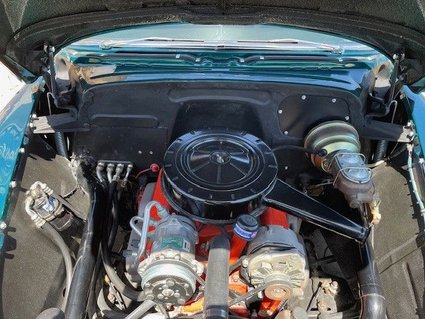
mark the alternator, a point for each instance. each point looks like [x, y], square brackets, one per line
[169, 273]
[276, 259]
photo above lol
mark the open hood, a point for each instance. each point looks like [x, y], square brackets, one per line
[391, 26]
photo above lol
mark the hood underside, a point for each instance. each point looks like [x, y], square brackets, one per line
[391, 26]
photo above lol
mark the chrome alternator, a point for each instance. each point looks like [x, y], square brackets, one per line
[276, 260]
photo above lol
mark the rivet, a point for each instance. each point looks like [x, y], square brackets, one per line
[303, 97]
[333, 100]
[22, 150]
[3, 226]
[280, 111]
[286, 132]
[347, 118]
[13, 184]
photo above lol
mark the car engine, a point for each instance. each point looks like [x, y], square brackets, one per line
[217, 231]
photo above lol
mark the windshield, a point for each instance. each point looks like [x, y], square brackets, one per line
[223, 37]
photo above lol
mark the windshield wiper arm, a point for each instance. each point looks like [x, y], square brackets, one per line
[297, 42]
[274, 44]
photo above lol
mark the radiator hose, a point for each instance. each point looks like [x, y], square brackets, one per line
[371, 293]
[87, 256]
[217, 280]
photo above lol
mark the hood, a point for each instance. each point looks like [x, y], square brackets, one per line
[391, 26]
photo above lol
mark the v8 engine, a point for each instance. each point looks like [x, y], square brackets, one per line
[219, 234]
[219, 183]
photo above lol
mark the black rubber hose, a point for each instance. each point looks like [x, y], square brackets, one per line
[217, 280]
[371, 292]
[60, 142]
[124, 289]
[381, 150]
[87, 255]
[91, 307]
[50, 232]
[114, 222]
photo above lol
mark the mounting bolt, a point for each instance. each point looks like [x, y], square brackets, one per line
[245, 263]
[286, 132]
[333, 100]
[13, 184]
[303, 97]
[280, 111]
[347, 118]
[21, 150]
[3, 226]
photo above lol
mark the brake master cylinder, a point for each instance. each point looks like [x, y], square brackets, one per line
[344, 161]
[169, 273]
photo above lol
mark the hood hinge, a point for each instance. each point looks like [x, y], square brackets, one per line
[61, 99]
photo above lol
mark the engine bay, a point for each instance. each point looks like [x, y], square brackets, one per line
[215, 199]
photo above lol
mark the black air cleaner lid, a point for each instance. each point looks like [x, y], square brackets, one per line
[220, 167]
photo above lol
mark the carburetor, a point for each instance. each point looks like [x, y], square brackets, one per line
[170, 272]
